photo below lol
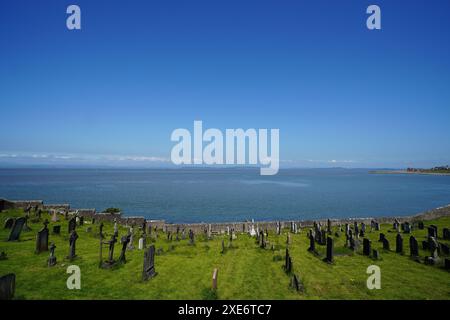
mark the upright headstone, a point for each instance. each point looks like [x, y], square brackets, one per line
[52, 259]
[312, 243]
[214, 278]
[421, 225]
[328, 226]
[7, 286]
[72, 225]
[382, 237]
[406, 227]
[386, 244]
[55, 216]
[16, 229]
[413, 247]
[149, 263]
[432, 231]
[446, 234]
[375, 254]
[399, 243]
[329, 257]
[366, 247]
[124, 240]
[56, 229]
[191, 237]
[42, 239]
[287, 262]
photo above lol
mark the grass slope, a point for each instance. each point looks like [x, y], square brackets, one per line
[245, 270]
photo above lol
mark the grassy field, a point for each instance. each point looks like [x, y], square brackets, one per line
[245, 270]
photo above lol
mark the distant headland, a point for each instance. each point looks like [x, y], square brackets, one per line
[439, 171]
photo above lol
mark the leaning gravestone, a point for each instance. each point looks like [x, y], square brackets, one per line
[366, 247]
[16, 229]
[214, 278]
[149, 263]
[399, 243]
[42, 239]
[7, 286]
[72, 225]
[10, 222]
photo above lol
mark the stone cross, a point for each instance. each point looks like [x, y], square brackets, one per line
[72, 241]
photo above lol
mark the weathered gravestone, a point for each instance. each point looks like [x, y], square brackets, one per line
[425, 245]
[262, 242]
[111, 243]
[16, 229]
[72, 242]
[214, 278]
[42, 239]
[444, 248]
[413, 247]
[407, 227]
[382, 237]
[191, 237]
[329, 257]
[296, 284]
[52, 259]
[7, 286]
[447, 264]
[386, 244]
[433, 246]
[56, 229]
[55, 217]
[124, 240]
[366, 247]
[312, 243]
[149, 263]
[287, 262]
[328, 226]
[375, 254]
[421, 225]
[72, 225]
[9, 223]
[432, 231]
[446, 234]
[399, 243]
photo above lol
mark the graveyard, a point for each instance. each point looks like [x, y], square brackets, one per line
[291, 262]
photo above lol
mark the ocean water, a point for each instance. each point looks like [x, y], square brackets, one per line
[213, 195]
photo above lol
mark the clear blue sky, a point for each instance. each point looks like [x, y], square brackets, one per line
[340, 94]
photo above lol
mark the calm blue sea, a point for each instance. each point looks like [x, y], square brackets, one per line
[209, 195]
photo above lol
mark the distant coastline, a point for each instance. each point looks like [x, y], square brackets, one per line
[409, 172]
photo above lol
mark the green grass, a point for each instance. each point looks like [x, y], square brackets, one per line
[245, 270]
